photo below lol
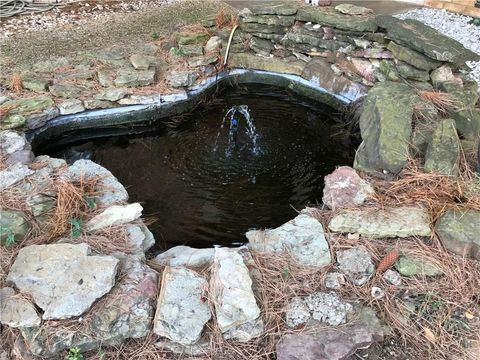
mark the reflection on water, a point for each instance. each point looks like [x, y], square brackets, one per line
[245, 160]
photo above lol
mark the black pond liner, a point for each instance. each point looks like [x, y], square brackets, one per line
[243, 152]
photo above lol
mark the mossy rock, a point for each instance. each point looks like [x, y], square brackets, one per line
[270, 20]
[13, 227]
[188, 38]
[244, 60]
[28, 105]
[466, 116]
[12, 122]
[412, 57]
[459, 232]
[262, 28]
[35, 84]
[330, 17]
[386, 127]
[410, 266]
[66, 91]
[282, 8]
[426, 40]
[444, 149]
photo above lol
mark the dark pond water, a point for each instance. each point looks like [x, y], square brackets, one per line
[245, 160]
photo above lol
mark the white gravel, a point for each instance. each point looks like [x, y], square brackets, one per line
[452, 25]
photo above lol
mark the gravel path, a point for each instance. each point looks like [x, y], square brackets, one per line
[456, 26]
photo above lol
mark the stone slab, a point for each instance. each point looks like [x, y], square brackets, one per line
[383, 223]
[182, 309]
[303, 237]
[62, 278]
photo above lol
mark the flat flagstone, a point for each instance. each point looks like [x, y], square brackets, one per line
[182, 309]
[63, 279]
[383, 223]
[237, 312]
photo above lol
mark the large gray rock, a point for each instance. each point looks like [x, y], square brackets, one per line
[303, 237]
[111, 94]
[320, 306]
[386, 128]
[16, 311]
[466, 116]
[179, 79]
[237, 312]
[459, 232]
[319, 343]
[246, 60]
[11, 141]
[328, 308]
[41, 180]
[251, 27]
[129, 77]
[279, 8]
[350, 9]
[125, 312]
[140, 238]
[140, 62]
[62, 279]
[185, 256]
[412, 57]
[424, 39]
[22, 156]
[15, 148]
[388, 222]
[443, 152]
[356, 264]
[14, 174]
[114, 215]
[182, 309]
[261, 46]
[270, 20]
[110, 190]
[67, 91]
[344, 188]
[71, 106]
[330, 17]
[213, 44]
[441, 75]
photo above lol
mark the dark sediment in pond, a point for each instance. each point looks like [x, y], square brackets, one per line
[209, 176]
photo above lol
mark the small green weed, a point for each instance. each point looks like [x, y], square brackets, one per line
[74, 354]
[91, 202]
[176, 52]
[155, 36]
[285, 272]
[9, 235]
[76, 225]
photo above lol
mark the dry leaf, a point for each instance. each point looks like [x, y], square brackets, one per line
[355, 236]
[469, 316]
[429, 335]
